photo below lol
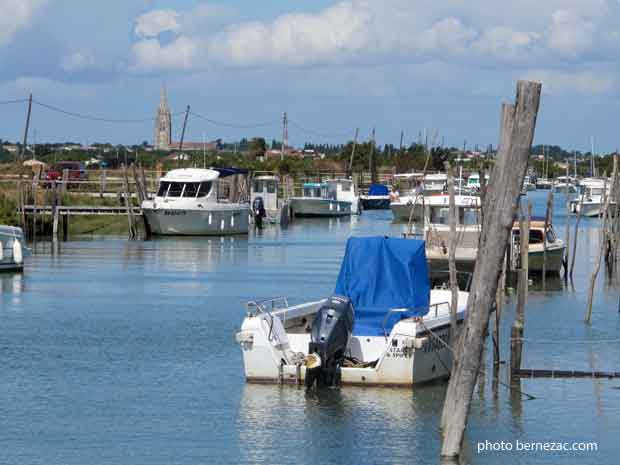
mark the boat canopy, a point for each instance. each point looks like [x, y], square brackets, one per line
[378, 189]
[183, 175]
[379, 274]
[225, 172]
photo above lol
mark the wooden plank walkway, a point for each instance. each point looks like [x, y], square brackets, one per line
[79, 210]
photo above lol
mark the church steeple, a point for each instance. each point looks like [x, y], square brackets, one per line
[163, 123]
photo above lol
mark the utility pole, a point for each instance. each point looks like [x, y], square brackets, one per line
[350, 171]
[371, 166]
[284, 135]
[23, 148]
[182, 137]
[400, 147]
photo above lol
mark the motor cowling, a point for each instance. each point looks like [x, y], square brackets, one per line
[258, 210]
[329, 338]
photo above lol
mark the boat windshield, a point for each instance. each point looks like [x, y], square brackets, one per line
[175, 189]
[163, 189]
[466, 216]
[187, 190]
[191, 188]
[205, 189]
[312, 192]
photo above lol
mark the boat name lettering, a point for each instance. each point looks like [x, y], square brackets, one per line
[174, 212]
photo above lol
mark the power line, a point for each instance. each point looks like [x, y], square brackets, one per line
[236, 126]
[94, 118]
[8, 102]
[317, 133]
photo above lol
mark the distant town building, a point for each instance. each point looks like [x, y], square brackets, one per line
[196, 146]
[163, 124]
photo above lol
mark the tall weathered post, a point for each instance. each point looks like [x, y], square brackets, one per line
[518, 327]
[501, 201]
[452, 254]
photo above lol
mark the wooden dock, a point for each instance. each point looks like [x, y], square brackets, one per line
[78, 210]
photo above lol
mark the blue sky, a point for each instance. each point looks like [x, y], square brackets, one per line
[332, 65]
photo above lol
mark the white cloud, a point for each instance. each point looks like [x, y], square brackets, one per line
[155, 22]
[78, 61]
[580, 82]
[16, 14]
[368, 32]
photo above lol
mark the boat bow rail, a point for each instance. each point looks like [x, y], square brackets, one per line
[391, 311]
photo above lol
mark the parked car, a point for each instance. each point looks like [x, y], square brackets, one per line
[76, 171]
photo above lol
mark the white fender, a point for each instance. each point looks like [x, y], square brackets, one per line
[18, 255]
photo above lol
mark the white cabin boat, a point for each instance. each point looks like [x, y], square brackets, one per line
[187, 204]
[336, 197]
[528, 184]
[591, 201]
[385, 327]
[435, 183]
[408, 190]
[565, 185]
[267, 188]
[536, 250]
[12, 248]
[437, 231]
[473, 182]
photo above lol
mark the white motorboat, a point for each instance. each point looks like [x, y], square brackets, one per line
[473, 182]
[384, 327]
[437, 231]
[274, 206]
[538, 241]
[543, 184]
[336, 197]
[435, 183]
[591, 201]
[528, 184]
[377, 198]
[408, 190]
[12, 248]
[565, 185]
[187, 204]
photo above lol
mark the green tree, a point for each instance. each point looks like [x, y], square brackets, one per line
[257, 147]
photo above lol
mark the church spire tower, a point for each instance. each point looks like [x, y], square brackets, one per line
[163, 123]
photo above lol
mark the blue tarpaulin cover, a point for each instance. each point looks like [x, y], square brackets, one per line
[225, 172]
[378, 189]
[379, 274]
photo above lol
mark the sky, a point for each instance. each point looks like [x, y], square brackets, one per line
[443, 67]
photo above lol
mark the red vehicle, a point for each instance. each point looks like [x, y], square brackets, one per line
[75, 169]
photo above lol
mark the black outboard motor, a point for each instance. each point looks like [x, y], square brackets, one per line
[258, 209]
[330, 334]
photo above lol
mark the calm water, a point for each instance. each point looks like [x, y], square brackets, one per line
[116, 352]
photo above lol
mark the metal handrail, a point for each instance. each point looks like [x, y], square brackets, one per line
[260, 306]
[403, 310]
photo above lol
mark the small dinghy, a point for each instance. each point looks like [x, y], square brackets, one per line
[384, 325]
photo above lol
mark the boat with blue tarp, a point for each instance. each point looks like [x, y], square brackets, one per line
[384, 325]
[378, 198]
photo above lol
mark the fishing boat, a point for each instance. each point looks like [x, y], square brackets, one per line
[437, 231]
[12, 248]
[266, 199]
[473, 182]
[564, 185]
[187, 203]
[408, 190]
[538, 241]
[336, 197]
[591, 201]
[435, 183]
[378, 198]
[384, 325]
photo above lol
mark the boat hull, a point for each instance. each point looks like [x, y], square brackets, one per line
[207, 222]
[317, 207]
[555, 257]
[402, 212]
[375, 202]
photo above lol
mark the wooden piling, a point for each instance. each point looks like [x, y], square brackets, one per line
[603, 241]
[501, 200]
[128, 204]
[575, 236]
[452, 254]
[518, 327]
[548, 215]
[567, 238]
[54, 211]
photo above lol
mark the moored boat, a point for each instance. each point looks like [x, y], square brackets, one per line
[12, 248]
[384, 326]
[265, 191]
[538, 241]
[336, 197]
[408, 195]
[187, 203]
[377, 198]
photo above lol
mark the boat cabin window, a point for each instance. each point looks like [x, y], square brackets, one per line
[175, 189]
[204, 189]
[271, 187]
[469, 216]
[191, 188]
[536, 236]
[312, 192]
[346, 187]
[258, 186]
[440, 215]
[163, 189]
[332, 193]
[596, 191]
